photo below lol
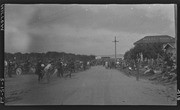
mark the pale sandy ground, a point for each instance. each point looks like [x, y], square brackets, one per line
[96, 86]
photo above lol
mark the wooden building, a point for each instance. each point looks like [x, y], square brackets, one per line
[168, 42]
[156, 39]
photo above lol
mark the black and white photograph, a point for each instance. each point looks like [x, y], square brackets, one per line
[90, 54]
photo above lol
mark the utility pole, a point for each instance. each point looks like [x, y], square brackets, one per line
[115, 46]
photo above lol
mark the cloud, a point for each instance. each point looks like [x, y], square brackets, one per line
[130, 18]
[84, 29]
[16, 40]
[16, 36]
[163, 11]
[166, 10]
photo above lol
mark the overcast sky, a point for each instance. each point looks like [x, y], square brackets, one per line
[83, 29]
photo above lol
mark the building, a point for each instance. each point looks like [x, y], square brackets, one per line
[170, 48]
[105, 58]
[169, 45]
[156, 39]
[98, 57]
[112, 57]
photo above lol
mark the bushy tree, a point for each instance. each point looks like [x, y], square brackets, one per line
[149, 51]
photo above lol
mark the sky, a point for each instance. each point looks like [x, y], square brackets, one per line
[83, 29]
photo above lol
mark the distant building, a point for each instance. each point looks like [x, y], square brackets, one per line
[118, 56]
[112, 57]
[170, 48]
[168, 42]
[98, 57]
[105, 58]
[156, 39]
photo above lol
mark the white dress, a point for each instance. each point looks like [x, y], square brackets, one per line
[47, 67]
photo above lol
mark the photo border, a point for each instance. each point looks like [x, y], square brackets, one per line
[40, 107]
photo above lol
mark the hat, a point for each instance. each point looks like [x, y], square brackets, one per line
[42, 65]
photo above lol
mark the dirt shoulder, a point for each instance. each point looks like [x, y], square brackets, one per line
[18, 86]
[170, 87]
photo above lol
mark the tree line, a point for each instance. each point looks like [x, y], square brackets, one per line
[47, 55]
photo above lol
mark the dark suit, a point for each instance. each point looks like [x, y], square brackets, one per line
[39, 69]
[60, 69]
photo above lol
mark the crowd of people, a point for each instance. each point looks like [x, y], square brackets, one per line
[44, 67]
[163, 68]
[110, 64]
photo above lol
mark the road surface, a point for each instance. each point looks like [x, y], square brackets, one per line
[96, 86]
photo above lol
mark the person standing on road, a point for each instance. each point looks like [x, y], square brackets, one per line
[88, 64]
[49, 70]
[10, 68]
[39, 69]
[26, 66]
[5, 68]
[72, 68]
[84, 65]
[60, 69]
[106, 64]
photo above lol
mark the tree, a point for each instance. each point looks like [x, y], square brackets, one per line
[149, 51]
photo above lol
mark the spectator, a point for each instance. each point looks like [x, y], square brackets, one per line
[60, 69]
[39, 69]
[84, 65]
[10, 68]
[72, 68]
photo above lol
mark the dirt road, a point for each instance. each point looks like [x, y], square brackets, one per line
[96, 86]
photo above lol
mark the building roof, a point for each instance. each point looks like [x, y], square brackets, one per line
[155, 39]
[172, 45]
